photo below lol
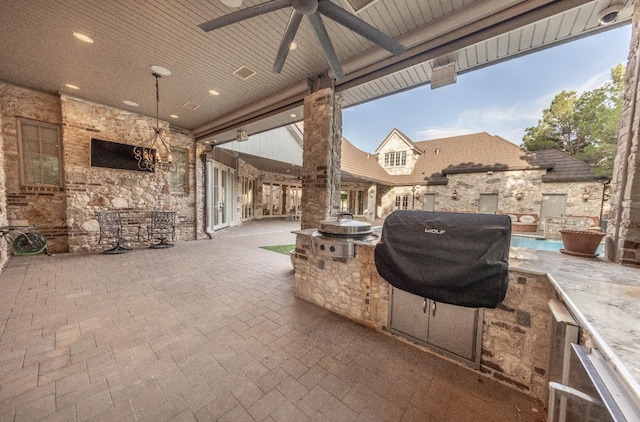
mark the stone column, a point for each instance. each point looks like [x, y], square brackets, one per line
[321, 157]
[371, 201]
[623, 231]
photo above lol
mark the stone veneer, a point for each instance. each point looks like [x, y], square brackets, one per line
[43, 206]
[66, 215]
[349, 287]
[395, 143]
[321, 157]
[552, 226]
[91, 189]
[4, 246]
[469, 186]
[623, 232]
[515, 337]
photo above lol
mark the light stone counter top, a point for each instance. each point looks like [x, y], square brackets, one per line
[603, 297]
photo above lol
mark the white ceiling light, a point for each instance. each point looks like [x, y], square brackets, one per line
[293, 45]
[130, 103]
[174, 116]
[163, 71]
[71, 86]
[293, 115]
[231, 3]
[213, 92]
[83, 38]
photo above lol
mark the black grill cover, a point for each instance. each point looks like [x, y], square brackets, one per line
[460, 259]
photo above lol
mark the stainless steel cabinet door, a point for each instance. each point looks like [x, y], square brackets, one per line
[407, 314]
[453, 328]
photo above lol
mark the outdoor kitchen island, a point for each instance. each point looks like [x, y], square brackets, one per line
[604, 299]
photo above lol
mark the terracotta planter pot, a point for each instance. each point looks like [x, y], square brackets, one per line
[581, 242]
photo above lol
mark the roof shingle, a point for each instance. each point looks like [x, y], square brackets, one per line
[478, 152]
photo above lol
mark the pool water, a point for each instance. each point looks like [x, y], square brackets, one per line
[528, 242]
[542, 244]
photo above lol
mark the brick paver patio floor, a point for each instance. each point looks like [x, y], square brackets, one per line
[210, 330]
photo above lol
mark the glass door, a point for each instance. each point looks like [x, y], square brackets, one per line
[247, 197]
[222, 191]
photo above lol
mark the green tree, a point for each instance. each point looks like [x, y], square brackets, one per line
[584, 126]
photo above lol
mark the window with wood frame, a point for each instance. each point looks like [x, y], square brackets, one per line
[395, 159]
[40, 153]
[178, 178]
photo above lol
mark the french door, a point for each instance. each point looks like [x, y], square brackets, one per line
[221, 188]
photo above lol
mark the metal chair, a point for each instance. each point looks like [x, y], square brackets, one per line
[111, 228]
[163, 226]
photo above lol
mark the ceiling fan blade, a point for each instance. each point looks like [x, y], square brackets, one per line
[325, 42]
[287, 39]
[243, 14]
[357, 25]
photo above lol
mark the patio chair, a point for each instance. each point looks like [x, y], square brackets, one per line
[111, 228]
[163, 226]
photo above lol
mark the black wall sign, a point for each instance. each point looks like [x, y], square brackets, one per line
[114, 155]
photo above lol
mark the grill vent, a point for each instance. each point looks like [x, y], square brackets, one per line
[244, 72]
[190, 106]
[359, 5]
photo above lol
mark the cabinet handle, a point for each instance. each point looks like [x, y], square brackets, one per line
[433, 308]
[424, 306]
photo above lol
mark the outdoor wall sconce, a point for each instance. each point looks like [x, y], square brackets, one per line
[454, 195]
[585, 195]
[519, 195]
[415, 194]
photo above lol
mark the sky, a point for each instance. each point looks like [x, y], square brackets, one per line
[503, 99]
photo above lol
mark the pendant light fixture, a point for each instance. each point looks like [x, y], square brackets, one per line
[155, 153]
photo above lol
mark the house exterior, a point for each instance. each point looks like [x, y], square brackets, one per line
[468, 173]
[474, 173]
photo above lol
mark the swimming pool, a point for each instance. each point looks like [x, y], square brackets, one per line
[529, 242]
[542, 244]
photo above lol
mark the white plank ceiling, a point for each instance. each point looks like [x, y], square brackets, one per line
[37, 50]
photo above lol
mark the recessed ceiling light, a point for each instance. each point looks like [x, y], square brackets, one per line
[71, 86]
[213, 92]
[293, 115]
[175, 116]
[160, 70]
[293, 45]
[83, 37]
[130, 103]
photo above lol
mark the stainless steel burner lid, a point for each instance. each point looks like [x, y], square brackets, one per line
[345, 226]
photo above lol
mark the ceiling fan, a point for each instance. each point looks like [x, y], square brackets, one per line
[312, 9]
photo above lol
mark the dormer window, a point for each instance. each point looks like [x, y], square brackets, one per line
[395, 159]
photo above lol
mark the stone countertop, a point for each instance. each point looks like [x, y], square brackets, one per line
[603, 297]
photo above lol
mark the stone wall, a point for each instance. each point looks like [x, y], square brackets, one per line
[623, 231]
[396, 144]
[506, 185]
[66, 214]
[43, 206]
[91, 189]
[372, 193]
[4, 246]
[552, 226]
[349, 287]
[321, 157]
[515, 337]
